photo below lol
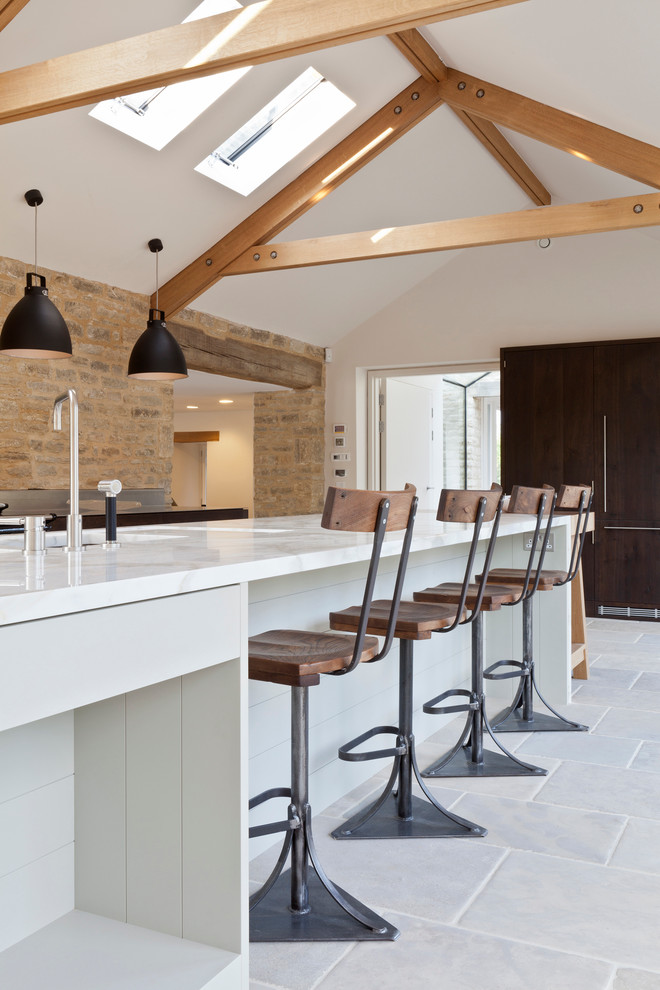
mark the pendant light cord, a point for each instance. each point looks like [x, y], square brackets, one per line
[157, 307]
[36, 208]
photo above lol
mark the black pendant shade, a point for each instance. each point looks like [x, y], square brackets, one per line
[35, 328]
[156, 355]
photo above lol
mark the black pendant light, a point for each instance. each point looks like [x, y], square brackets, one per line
[35, 327]
[156, 355]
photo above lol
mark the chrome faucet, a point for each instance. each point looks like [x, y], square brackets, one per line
[74, 519]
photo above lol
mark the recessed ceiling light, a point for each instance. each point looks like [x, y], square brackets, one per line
[225, 402]
[192, 407]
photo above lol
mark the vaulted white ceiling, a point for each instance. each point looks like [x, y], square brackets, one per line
[106, 194]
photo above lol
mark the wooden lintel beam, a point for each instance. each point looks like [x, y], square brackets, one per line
[594, 217]
[259, 32]
[502, 150]
[9, 9]
[196, 436]
[576, 135]
[426, 60]
[361, 146]
[244, 359]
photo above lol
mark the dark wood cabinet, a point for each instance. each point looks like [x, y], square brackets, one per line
[591, 413]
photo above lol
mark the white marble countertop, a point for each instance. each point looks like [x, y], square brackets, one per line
[156, 561]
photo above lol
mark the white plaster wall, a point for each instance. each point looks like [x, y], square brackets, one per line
[230, 461]
[493, 297]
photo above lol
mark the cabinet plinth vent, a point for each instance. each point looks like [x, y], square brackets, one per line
[627, 612]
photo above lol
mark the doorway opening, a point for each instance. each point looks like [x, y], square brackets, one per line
[436, 428]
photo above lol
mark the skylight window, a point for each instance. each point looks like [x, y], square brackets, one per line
[155, 116]
[281, 130]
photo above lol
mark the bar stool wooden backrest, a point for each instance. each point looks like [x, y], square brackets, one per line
[575, 498]
[377, 512]
[475, 508]
[539, 502]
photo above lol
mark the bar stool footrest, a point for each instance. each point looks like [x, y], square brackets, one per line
[431, 707]
[290, 824]
[521, 670]
[346, 751]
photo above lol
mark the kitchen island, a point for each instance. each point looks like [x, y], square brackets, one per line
[126, 672]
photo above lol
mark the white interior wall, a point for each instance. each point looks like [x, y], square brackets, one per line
[230, 481]
[493, 297]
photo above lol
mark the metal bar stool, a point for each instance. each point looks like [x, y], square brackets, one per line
[304, 904]
[468, 758]
[397, 813]
[520, 716]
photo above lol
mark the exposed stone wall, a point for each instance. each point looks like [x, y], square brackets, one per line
[289, 432]
[126, 426]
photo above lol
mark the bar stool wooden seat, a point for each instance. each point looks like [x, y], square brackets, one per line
[303, 904]
[520, 716]
[397, 813]
[468, 757]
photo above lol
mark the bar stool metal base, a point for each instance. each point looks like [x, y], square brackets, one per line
[424, 823]
[397, 813]
[491, 764]
[468, 758]
[514, 721]
[303, 904]
[272, 920]
[521, 717]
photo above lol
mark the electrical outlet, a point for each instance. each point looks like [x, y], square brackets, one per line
[550, 543]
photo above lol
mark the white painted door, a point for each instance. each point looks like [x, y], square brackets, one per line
[407, 439]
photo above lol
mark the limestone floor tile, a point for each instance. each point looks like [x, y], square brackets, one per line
[361, 795]
[428, 878]
[601, 676]
[639, 848]
[636, 979]
[628, 661]
[630, 724]
[648, 758]
[581, 747]
[293, 965]
[529, 825]
[648, 682]
[624, 633]
[649, 644]
[609, 914]
[435, 957]
[608, 789]
[615, 697]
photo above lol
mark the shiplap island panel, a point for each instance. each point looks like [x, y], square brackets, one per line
[123, 715]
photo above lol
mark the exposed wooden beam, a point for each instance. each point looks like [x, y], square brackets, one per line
[594, 217]
[503, 151]
[420, 53]
[346, 158]
[260, 32]
[9, 9]
[576, 135]
[426, 60]
[243, 359]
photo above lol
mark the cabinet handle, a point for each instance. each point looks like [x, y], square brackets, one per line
[604, 463]
[593, 531]
[637, 529]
